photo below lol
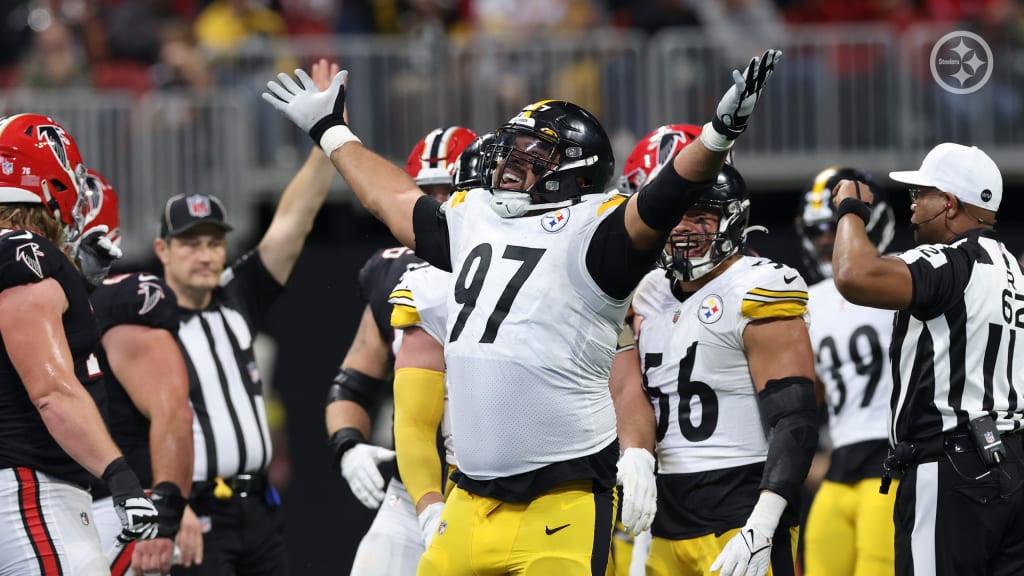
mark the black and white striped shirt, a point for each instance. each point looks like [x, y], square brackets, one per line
[229, 428]
[958, 350]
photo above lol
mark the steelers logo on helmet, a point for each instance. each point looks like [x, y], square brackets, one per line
[815, 221]
[548, 156]
[692, 255]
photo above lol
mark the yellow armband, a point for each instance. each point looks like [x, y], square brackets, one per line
[419, 406]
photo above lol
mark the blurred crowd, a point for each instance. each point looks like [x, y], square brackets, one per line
[144, 44]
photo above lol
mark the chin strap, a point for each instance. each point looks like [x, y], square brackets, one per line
[508, 204]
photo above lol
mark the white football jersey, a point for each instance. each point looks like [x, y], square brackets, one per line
[851, 358]
[531, 337]
[695, 365]
[420, 299]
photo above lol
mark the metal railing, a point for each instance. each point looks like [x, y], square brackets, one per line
[855, 94]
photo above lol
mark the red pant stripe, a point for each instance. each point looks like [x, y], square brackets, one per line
[35, 524]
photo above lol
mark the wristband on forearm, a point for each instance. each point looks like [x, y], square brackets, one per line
[332, 137]
[122, 481]
[716, 136]
[854, 206]
[170, 505]
[344, 439]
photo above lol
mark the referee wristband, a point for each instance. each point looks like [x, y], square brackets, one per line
[344, 439]
[335, 137]
[854, 206]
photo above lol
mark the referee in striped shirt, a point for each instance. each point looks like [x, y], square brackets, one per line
[955, 408]
[221, 310]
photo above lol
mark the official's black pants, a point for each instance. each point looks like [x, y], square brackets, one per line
[245, 537]
[955, 517]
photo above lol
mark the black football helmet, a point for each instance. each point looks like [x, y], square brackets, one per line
[729, 198]
[816, 216]
[562, 145]
[470, 170]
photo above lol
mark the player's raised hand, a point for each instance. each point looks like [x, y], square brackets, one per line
[738, 103]
[323, 72]
[319, 112]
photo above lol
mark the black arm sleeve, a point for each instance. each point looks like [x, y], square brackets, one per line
[431, 230]
[612, 261]
[790, 412]
[662, 203]
[250, 286]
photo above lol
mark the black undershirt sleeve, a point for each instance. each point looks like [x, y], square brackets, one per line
[612, 260]
[662, 203]
[431, 230]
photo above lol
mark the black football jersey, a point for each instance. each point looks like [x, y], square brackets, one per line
[27, 258]
[378, 278]
[142, 300]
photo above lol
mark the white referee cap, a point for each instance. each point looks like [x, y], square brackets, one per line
[965, 172]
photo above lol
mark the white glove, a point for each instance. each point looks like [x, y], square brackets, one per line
[359, 468]
[139, 519]
[95, 253]
[639, 489]
[749, 553]
[320, 114]
[738, 103]
[429, 519]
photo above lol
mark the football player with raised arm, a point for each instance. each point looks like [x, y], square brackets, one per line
[723, 355]
[543, 264]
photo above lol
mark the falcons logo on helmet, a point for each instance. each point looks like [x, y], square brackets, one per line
[152, 293]
[29, 253]
[58, 140]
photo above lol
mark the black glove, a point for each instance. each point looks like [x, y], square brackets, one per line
[95, 254]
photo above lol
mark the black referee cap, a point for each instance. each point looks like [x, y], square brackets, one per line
[186, 211]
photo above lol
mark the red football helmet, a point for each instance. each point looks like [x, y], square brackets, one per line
[652, 152]
[102, 207]
[435, 156]
[40, 164]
